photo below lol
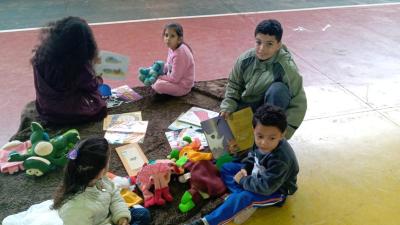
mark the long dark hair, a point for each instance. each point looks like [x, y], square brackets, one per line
[67, 46]
[179, 31]
[92, 157]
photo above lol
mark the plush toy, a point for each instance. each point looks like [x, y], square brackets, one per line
[189, 152]
[45, 154]
[205, 182]
[148, 76]
[12, 146]
[126, 186]
[157, 175]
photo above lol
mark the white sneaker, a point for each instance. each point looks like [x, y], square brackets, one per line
[243, 215]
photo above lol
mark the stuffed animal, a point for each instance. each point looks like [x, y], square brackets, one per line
[148, 76]
[189, 152]
[45, 154]
[12, 146]
[157, 175]
[205, 182]
[126, 186]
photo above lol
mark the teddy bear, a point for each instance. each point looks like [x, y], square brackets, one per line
[148, 76]
[45, 154]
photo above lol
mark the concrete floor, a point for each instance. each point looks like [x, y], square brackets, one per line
[349, 57]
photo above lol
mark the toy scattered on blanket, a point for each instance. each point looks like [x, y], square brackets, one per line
[157, 175]
[12, 146]
[189, 152]
[205, 182]
[126, 186]
[148, 76]
[45, 154]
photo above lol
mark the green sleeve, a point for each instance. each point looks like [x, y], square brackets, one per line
[118, 207]
[298, 104]
[234, 89]
[76, 214]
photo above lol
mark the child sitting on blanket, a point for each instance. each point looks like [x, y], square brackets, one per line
[179, 71]
[86, 196]
[65, 82]
[265, 177]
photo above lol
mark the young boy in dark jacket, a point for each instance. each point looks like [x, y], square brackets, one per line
[265, 177]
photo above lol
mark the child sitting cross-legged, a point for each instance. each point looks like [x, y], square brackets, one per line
[265, 177]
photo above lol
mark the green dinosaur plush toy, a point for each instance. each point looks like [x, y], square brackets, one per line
[148, 76]
[46, 154]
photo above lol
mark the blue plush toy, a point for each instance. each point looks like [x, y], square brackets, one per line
[148, 76]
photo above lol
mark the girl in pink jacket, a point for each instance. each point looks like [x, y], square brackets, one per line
[179, 75]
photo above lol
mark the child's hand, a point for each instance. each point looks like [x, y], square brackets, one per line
[123, 221]
[225, 115]
[242, 173]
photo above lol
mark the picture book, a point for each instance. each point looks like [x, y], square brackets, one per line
[229, 136]
[179, 125]
[112, 65]
[123, 138]
[122, 121]
[132, 158]
[195, 115]
[125, 93]
[174, 137]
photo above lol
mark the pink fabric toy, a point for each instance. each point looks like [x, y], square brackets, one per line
[16, 146]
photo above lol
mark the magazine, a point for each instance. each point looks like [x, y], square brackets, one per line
[132, 158]
[230, 136]
[111, 65]
[195, 115]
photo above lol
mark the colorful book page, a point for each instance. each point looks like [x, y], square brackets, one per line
[241, 125]
[196, 115]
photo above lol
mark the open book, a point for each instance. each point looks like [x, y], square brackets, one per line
[112, 65]
[195, 115]
[230, 136]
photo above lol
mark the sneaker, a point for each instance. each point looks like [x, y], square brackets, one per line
[243, 215]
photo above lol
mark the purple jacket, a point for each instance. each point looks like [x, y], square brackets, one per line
[58, 103]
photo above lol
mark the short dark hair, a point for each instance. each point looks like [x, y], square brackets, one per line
[270, 27]
[269, 115]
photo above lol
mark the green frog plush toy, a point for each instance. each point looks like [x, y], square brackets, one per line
[46, 154]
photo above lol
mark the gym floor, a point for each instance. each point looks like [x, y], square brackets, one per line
[347, 52]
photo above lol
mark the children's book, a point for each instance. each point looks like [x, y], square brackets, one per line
[112, 65]
[230, 136]
[179, 125]
[125, 93]
[126, 122]
[124, 138]
[132, 158]
[113, 102]
[174, 137]
[196, 115]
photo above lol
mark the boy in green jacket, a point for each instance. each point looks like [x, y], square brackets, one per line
[267, 74]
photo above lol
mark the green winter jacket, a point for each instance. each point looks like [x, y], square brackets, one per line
[250, 78]
[98, 205]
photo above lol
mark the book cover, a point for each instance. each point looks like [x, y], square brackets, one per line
[123, 138]
[111, 65]
[241, 125]
[179, 125]
[125, 93]
[174, 137]
[196, 115]
[126, 122]
[232, 135]
[132, 158]
[219, 136]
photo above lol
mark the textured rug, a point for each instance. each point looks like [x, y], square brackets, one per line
[18, 191]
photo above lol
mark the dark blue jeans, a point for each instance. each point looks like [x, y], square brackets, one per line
[140, 216]
[277, 94]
